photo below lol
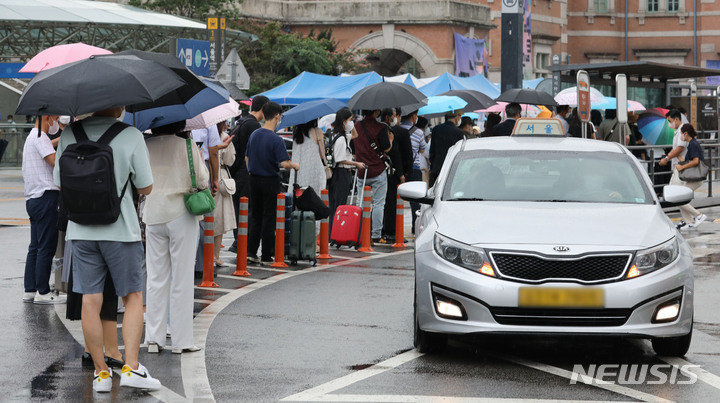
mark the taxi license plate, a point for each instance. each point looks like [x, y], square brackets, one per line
[538, 297]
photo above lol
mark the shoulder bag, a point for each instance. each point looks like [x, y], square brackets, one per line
[328, 169]
[197, 202]
[381, 154]
[694, 174]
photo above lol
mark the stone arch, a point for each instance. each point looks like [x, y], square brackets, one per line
[402, 41]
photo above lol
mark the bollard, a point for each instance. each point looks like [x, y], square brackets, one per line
[208, 246]
[241, 263]
[365, 240]
[399, 226]
[325, 229]
[280, 233]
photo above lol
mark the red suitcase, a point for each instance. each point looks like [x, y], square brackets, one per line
[347, 221]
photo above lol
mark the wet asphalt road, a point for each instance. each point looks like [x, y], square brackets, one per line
[338, 332]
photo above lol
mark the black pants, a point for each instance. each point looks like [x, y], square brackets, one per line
[263, 208]
[339, 189]
[242, 186]
[390, 209]
[415, 176]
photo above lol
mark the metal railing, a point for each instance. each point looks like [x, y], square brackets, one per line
[711, 151]
[15, 134]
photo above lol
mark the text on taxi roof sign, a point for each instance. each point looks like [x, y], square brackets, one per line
[538, 127]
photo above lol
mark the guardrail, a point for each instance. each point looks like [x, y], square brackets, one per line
[15, 134]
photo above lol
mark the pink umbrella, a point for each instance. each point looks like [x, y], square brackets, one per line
[247, 102]
[214, 116]
[500, 107]
[635, 106]
[61, 54]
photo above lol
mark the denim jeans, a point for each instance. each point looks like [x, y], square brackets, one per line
[378, 185]
[43, 212]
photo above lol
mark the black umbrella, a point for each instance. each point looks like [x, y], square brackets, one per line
[386, 95]
[95, 84]
[527, 96]
[475, 99]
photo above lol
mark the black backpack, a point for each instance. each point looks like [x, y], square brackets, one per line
[88, 189]
[330, 139]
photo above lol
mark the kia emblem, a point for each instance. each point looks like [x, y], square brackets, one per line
[561, 249]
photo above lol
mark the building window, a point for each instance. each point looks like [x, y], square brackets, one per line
[653, 5]
[673, 5]
[601, 6]
[542, 60]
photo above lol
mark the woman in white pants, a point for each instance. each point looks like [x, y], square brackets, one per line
[171, 237]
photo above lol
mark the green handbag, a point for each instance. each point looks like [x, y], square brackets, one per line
[198, 202]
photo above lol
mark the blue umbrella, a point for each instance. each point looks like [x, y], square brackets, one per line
[207, 98]
[308, 111]
[442, 104]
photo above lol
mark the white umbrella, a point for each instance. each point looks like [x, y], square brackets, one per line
[214, 116]
[568, 96]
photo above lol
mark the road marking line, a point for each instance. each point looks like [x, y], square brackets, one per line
[216, 289]
[705, 376]
[347, 380]
[436, 399]
[193, 367]
[241, 278]
[635, 394]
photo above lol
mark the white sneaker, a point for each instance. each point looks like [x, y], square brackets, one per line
[29, 296]
[698, 220]
[138, 378]
[49, 298]
[102, 381]
[154, 348]
[186, 350]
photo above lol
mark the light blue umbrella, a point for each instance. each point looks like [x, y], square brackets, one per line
[308, 111]
[441, 104]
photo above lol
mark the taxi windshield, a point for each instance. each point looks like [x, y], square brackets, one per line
[546, 176]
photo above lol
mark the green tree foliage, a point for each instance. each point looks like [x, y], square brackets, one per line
[278, 56]
[198, 9]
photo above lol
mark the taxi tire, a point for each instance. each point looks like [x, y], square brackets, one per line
[426, 342]
[673, 346]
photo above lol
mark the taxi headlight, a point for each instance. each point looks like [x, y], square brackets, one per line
[463, 255]
[655, 258]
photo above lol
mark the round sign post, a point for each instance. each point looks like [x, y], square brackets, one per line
[622, 105]
[583, 98]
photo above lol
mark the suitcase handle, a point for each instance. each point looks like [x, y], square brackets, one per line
[362, 193]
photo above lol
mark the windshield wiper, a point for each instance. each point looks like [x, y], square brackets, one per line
[466, 199]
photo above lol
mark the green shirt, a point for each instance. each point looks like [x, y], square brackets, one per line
[130, 157]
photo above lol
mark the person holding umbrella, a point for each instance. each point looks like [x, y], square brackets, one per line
[340, 185]
[373, 141]
[112, 248]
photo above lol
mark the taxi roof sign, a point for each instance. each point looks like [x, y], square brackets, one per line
[538, 127]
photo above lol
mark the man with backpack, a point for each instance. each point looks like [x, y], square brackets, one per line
[242, 131]
[100, 160]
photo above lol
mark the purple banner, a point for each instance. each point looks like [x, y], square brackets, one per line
[712, 64]
[470, 56]
[527, 42]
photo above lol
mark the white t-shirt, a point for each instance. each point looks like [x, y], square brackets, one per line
[37, 173]
[341, 151]
[679, 141]
[209, 137]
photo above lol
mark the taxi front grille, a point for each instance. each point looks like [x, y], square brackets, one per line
[534, 268]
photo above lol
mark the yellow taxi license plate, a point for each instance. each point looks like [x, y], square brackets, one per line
[539, 297]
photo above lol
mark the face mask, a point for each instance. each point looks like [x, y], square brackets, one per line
[394, 122]
[64, 119]
[122, 116]
[54, 128]
[349, 126]
[278, 123]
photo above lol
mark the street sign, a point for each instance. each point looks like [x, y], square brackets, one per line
[216, 38]
[583, 95]
[233, 71]
[621, 96]
[195, 55]
[12, 70]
